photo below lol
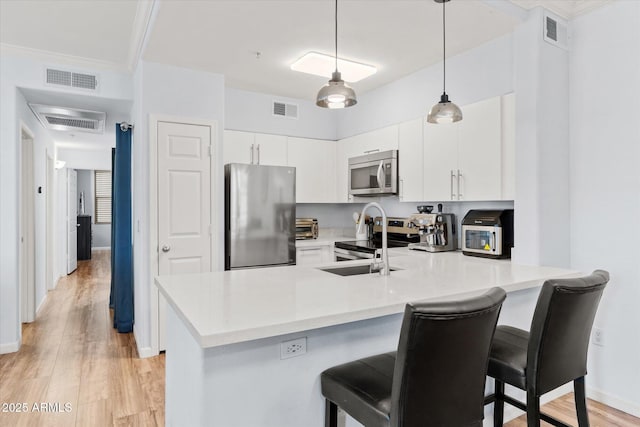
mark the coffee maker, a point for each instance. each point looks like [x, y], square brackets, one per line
[437, 230]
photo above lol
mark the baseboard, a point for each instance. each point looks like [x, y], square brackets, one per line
[101, 248]
[41, 304]
[143, 352]
[613, 401]
[11, 347]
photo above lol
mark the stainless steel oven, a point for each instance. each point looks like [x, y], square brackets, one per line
[374, 174]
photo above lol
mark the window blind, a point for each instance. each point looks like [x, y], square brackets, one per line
[103, 197]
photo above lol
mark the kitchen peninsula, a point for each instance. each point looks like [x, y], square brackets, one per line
[224, 329]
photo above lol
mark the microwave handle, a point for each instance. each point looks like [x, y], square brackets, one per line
[493, 236]
[380, 175]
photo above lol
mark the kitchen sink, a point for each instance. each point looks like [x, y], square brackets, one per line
[351, 270]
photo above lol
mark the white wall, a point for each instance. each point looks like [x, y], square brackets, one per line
[253, 112]
[17, 72]
[42, 147]
[167, 90]
[78, 158]
[605, 187]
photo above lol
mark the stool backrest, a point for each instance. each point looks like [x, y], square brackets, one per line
[442, 359]
[560, 330]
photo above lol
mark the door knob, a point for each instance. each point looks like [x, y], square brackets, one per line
[166, 248]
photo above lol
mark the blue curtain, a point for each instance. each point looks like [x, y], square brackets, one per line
[113, 225]
[121, 298]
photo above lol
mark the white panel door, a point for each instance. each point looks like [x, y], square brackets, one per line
[184, 203]
[72, 220]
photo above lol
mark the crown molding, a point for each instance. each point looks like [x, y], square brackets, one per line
[60, 58]
[142, 24]
[567, 9]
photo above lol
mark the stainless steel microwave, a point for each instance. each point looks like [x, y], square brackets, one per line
[374, 174]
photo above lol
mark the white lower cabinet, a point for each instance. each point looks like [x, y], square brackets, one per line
[315, 163]
[314, 255]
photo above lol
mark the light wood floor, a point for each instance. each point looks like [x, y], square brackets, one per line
[71, 354]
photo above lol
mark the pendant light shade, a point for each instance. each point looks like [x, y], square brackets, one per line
[444, 111]
[336, 93]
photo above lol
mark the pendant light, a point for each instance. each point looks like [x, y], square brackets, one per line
[336, 94]
[444, 111]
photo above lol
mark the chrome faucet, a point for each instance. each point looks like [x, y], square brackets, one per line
[383, 266]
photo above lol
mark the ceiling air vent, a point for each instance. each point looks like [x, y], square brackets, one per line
[69, 119]
[555, 31]
[282, 109]
[71, 79]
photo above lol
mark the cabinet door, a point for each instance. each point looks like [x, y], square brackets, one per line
[315, 164]
[410, 159]
[440, 161]
[380, 140]
[509, 147]
[270, 150]
[479, 151]
[310, 255]
[237, 147]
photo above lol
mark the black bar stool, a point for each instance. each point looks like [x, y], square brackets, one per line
[553, 353]
[437, 376]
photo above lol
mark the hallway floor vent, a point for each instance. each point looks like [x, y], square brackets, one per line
[281, 109]
[69, 119]
[71, 79]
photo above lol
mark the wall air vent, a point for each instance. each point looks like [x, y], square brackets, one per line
[71, 79]
[282, 109]
[69, 119]
[555, 31]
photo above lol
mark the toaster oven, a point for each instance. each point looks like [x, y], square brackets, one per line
[488, 233]
[306, 228]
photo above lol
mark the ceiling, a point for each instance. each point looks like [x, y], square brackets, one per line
[223, 36]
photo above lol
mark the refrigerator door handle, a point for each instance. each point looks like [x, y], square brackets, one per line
[251, 153]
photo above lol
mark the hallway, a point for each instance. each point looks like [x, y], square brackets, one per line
[72, 355]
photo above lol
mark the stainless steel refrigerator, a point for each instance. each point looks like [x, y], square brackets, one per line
[260, 215]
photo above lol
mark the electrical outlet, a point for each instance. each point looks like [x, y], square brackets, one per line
[598, 337]
[293, 348]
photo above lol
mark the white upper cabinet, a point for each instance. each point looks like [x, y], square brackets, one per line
[254, 148]
[410, 159]
[315, 164]
[480, 151]
[464, 160]
[237, 147]
[271, 150]
[440, 161]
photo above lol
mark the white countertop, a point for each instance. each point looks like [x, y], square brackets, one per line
[228, 307]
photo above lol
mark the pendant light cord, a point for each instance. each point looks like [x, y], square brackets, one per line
[336, 35]
[444, 51]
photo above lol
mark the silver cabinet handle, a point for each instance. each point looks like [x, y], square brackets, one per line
[459, 178]
[251, 153]
[453, 196]
[402, 189]
[166, 248]
[380, 176]
[258, 154]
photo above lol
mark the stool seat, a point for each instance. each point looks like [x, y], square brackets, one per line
[508, 359]
[435, 378]
[364, 383]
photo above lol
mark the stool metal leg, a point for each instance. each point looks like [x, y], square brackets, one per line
[330, 414]
[498, 404]
[581, 402]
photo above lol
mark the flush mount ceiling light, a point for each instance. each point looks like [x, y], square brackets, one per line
[444, 111]
[336, 94]
[323, 65]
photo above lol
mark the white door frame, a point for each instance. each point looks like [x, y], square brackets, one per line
[50, 194]
[26, 217]
[153, 207]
